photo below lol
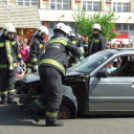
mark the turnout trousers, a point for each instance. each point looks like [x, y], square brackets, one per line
[51, 80]
[7, 83]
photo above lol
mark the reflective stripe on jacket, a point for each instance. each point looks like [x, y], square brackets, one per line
[9, 53]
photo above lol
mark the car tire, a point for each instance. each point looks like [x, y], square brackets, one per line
[64, 112]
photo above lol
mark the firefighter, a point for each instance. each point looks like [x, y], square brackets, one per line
[97, 42]
[37, 48]
[9, 55]
[72, 60]
[52, 69]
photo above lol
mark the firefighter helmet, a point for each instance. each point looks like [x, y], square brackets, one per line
[96, 26]
[69, 30]
[8, 28]
[62, 27]
[41, 30]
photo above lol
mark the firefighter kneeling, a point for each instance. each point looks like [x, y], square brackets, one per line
[9, 54]
[52, 69]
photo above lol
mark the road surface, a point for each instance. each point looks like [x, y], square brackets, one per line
[15, 121]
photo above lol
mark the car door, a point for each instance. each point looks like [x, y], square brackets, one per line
[111, 93]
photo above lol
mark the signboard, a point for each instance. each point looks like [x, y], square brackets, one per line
[123, 36]
[118, 40]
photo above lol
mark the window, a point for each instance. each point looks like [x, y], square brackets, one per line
[91, 6]
[92, 62]
[27, 2]
[59, 4]
[52, 24]
[120, 7]
[118, 27]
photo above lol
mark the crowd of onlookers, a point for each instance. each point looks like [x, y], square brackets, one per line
[24, 46]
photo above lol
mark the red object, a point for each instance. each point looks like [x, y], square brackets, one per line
[108, 2]
[129, 6]
[78, 1]
[100, 5]
[45, 23]
[70, 4]
[38, 3]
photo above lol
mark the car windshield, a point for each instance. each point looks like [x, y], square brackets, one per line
[91, 62]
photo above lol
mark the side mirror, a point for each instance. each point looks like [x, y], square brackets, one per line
[102, 75]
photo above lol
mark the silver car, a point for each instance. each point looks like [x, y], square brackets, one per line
[88, 88]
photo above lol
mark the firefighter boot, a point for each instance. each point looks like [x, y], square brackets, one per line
[33, 109]
[3, 99]
[10, 98]
[50, 121]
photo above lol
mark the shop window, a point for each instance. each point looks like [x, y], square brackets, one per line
[91, 6]
[60, 4]
[27, 2]
[118, 27]
[120, 7]
[131, 27]
[125, 27]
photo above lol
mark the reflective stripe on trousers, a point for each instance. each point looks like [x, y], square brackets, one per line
[51, 114]
[53, 62]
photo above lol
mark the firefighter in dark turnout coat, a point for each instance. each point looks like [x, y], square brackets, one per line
[97, 42]
[9, 55]
[52, 69]
[37, 48]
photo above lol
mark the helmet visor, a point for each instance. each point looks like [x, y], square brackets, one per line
[96, 29]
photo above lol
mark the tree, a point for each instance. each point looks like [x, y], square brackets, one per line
[106, 20]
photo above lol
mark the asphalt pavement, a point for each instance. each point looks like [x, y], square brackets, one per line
[13, 120]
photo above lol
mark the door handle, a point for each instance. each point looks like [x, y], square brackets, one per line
[132, 85]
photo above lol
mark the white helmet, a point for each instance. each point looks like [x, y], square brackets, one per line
[41, 30]
[96, 26]
[62, 27]
[8, 28]
[69, 30]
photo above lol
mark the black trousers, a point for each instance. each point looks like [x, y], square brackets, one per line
[51, 80]
[7, 80]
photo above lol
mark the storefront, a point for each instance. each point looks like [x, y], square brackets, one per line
[126, 33]
[26, 19]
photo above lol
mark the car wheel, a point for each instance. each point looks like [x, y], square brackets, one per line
[64, 112]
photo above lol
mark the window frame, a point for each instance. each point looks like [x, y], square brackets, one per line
[27, 1]
[56, 3]
[93, 3]
[115, 5]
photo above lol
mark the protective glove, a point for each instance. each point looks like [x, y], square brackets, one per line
[22, 63]
[35, 68]
[81, 49]
[81, 58]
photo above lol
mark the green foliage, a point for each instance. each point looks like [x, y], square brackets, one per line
[106, 20]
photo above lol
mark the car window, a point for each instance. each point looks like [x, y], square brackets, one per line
[121, 66]
[91, 62]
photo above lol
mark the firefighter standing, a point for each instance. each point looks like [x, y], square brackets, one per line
[9, 55]
[37, 48]
[72, 60]
[97, 42]
[52, 69]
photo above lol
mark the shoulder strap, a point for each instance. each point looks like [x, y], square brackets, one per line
[61, 40]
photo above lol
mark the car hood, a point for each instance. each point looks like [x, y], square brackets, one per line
[34, 77]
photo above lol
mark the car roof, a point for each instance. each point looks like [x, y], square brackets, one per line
[126, 49]
[120, 50]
